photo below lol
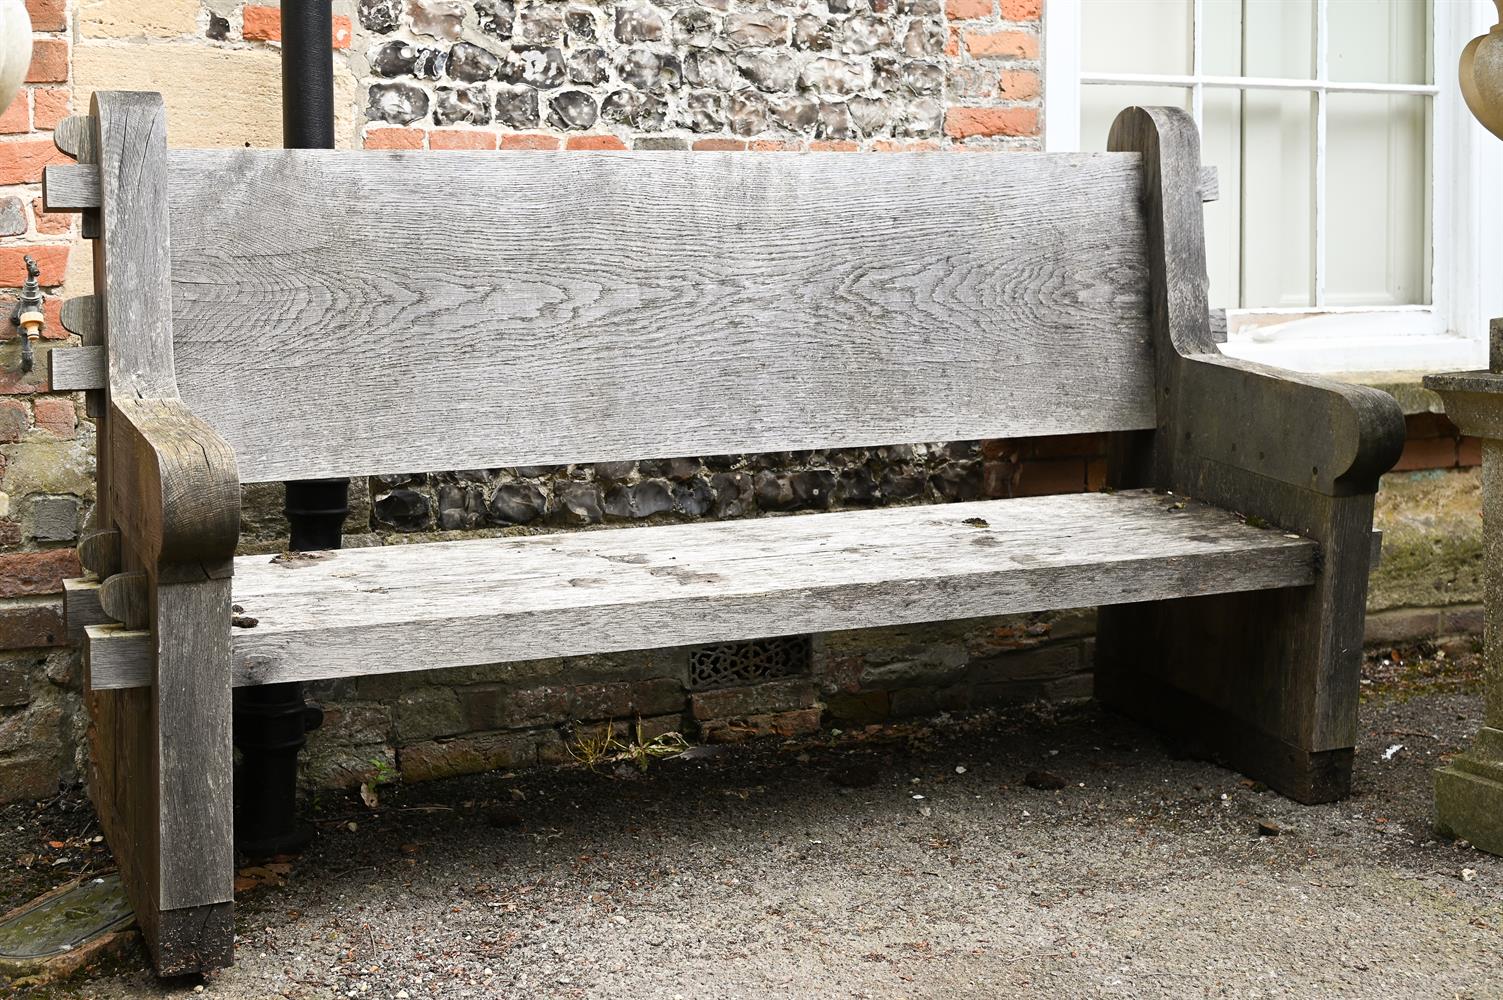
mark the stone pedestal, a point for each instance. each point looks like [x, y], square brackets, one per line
[1469, 791]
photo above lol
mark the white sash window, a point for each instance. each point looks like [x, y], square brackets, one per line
[1353, 232]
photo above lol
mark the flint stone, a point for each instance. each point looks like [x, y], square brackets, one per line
[437, 18]
[587, 65]
[517, 107]
[768, 69]
[704, 111]
[543, 68]
[865, 34]
[650, 71]
[379, 16]
[924, 38]
[795, 112]
[516, 503]
[572, 109]
[634, 108]
[694, 27]
[576, 503]
[638, 21]
[581, 26]
[813, 33]
[541, 23]
[467, 105]
[405, 510]
[471, 63]
[747, 113]
[406, 59]
[923, 78]
[708, 68]
[495, 17]
[833, 76]
[652, 496]
[399, 103]
[757, 29]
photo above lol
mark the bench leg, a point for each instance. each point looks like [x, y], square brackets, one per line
[1264, 682]
[161, 782]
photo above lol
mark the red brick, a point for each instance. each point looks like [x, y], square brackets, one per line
[833, 146]
[1022, 10]
[22, 160]
[719, 145]
[1019, 85]
[1469, 452]
[51, 223]
[1002, 44]
[53, 262]
[1427, 453]
[458, 138]
[891, 146]
[52, 309]
[47, 15]
[594, 142]
[52, 105]
[394, 138]
[14, 419]
[17, 117]
[529, 141]
[49, 61]
[342, 32]
[1054, 475]
[26, 573]
[962, 123]
[56, 415]
[262, 24]
[32, 626]
[967, 10]
[775, 146]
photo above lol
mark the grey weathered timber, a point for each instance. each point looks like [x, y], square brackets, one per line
[573, 308]
[169, 506]
[1266, 681]
[73, 369]
[70, 188]
[411, 607]
[731, 304]
[77, 137]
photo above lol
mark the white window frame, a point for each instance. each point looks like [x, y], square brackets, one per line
[1466, 212]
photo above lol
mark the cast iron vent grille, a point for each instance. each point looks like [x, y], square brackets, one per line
[735, 663]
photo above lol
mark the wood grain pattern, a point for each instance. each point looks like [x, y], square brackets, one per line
[668, 305]
[70, 188]
[410, 607]
[75, 136]
[81, 607]
[73, 369]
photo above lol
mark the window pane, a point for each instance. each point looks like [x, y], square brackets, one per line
[1100, 104]
[1135, 36]
[1221, 147]
[1277, 196]
[1377, 230]
[1277, 38]
[1379, 41]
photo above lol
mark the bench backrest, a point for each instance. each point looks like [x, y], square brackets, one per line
[338, 313]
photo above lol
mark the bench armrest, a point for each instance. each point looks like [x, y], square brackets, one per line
[174, 485]
[1321, 435]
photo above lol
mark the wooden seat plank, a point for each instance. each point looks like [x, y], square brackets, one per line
[410, 607]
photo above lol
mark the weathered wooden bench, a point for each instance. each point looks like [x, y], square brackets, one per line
[265, 315]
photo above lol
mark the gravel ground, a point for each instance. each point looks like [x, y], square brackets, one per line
[897, 862]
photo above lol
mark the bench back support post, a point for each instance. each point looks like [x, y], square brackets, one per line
[1267, 682]
[168, 510]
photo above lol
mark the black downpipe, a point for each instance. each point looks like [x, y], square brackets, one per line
[272, 721]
